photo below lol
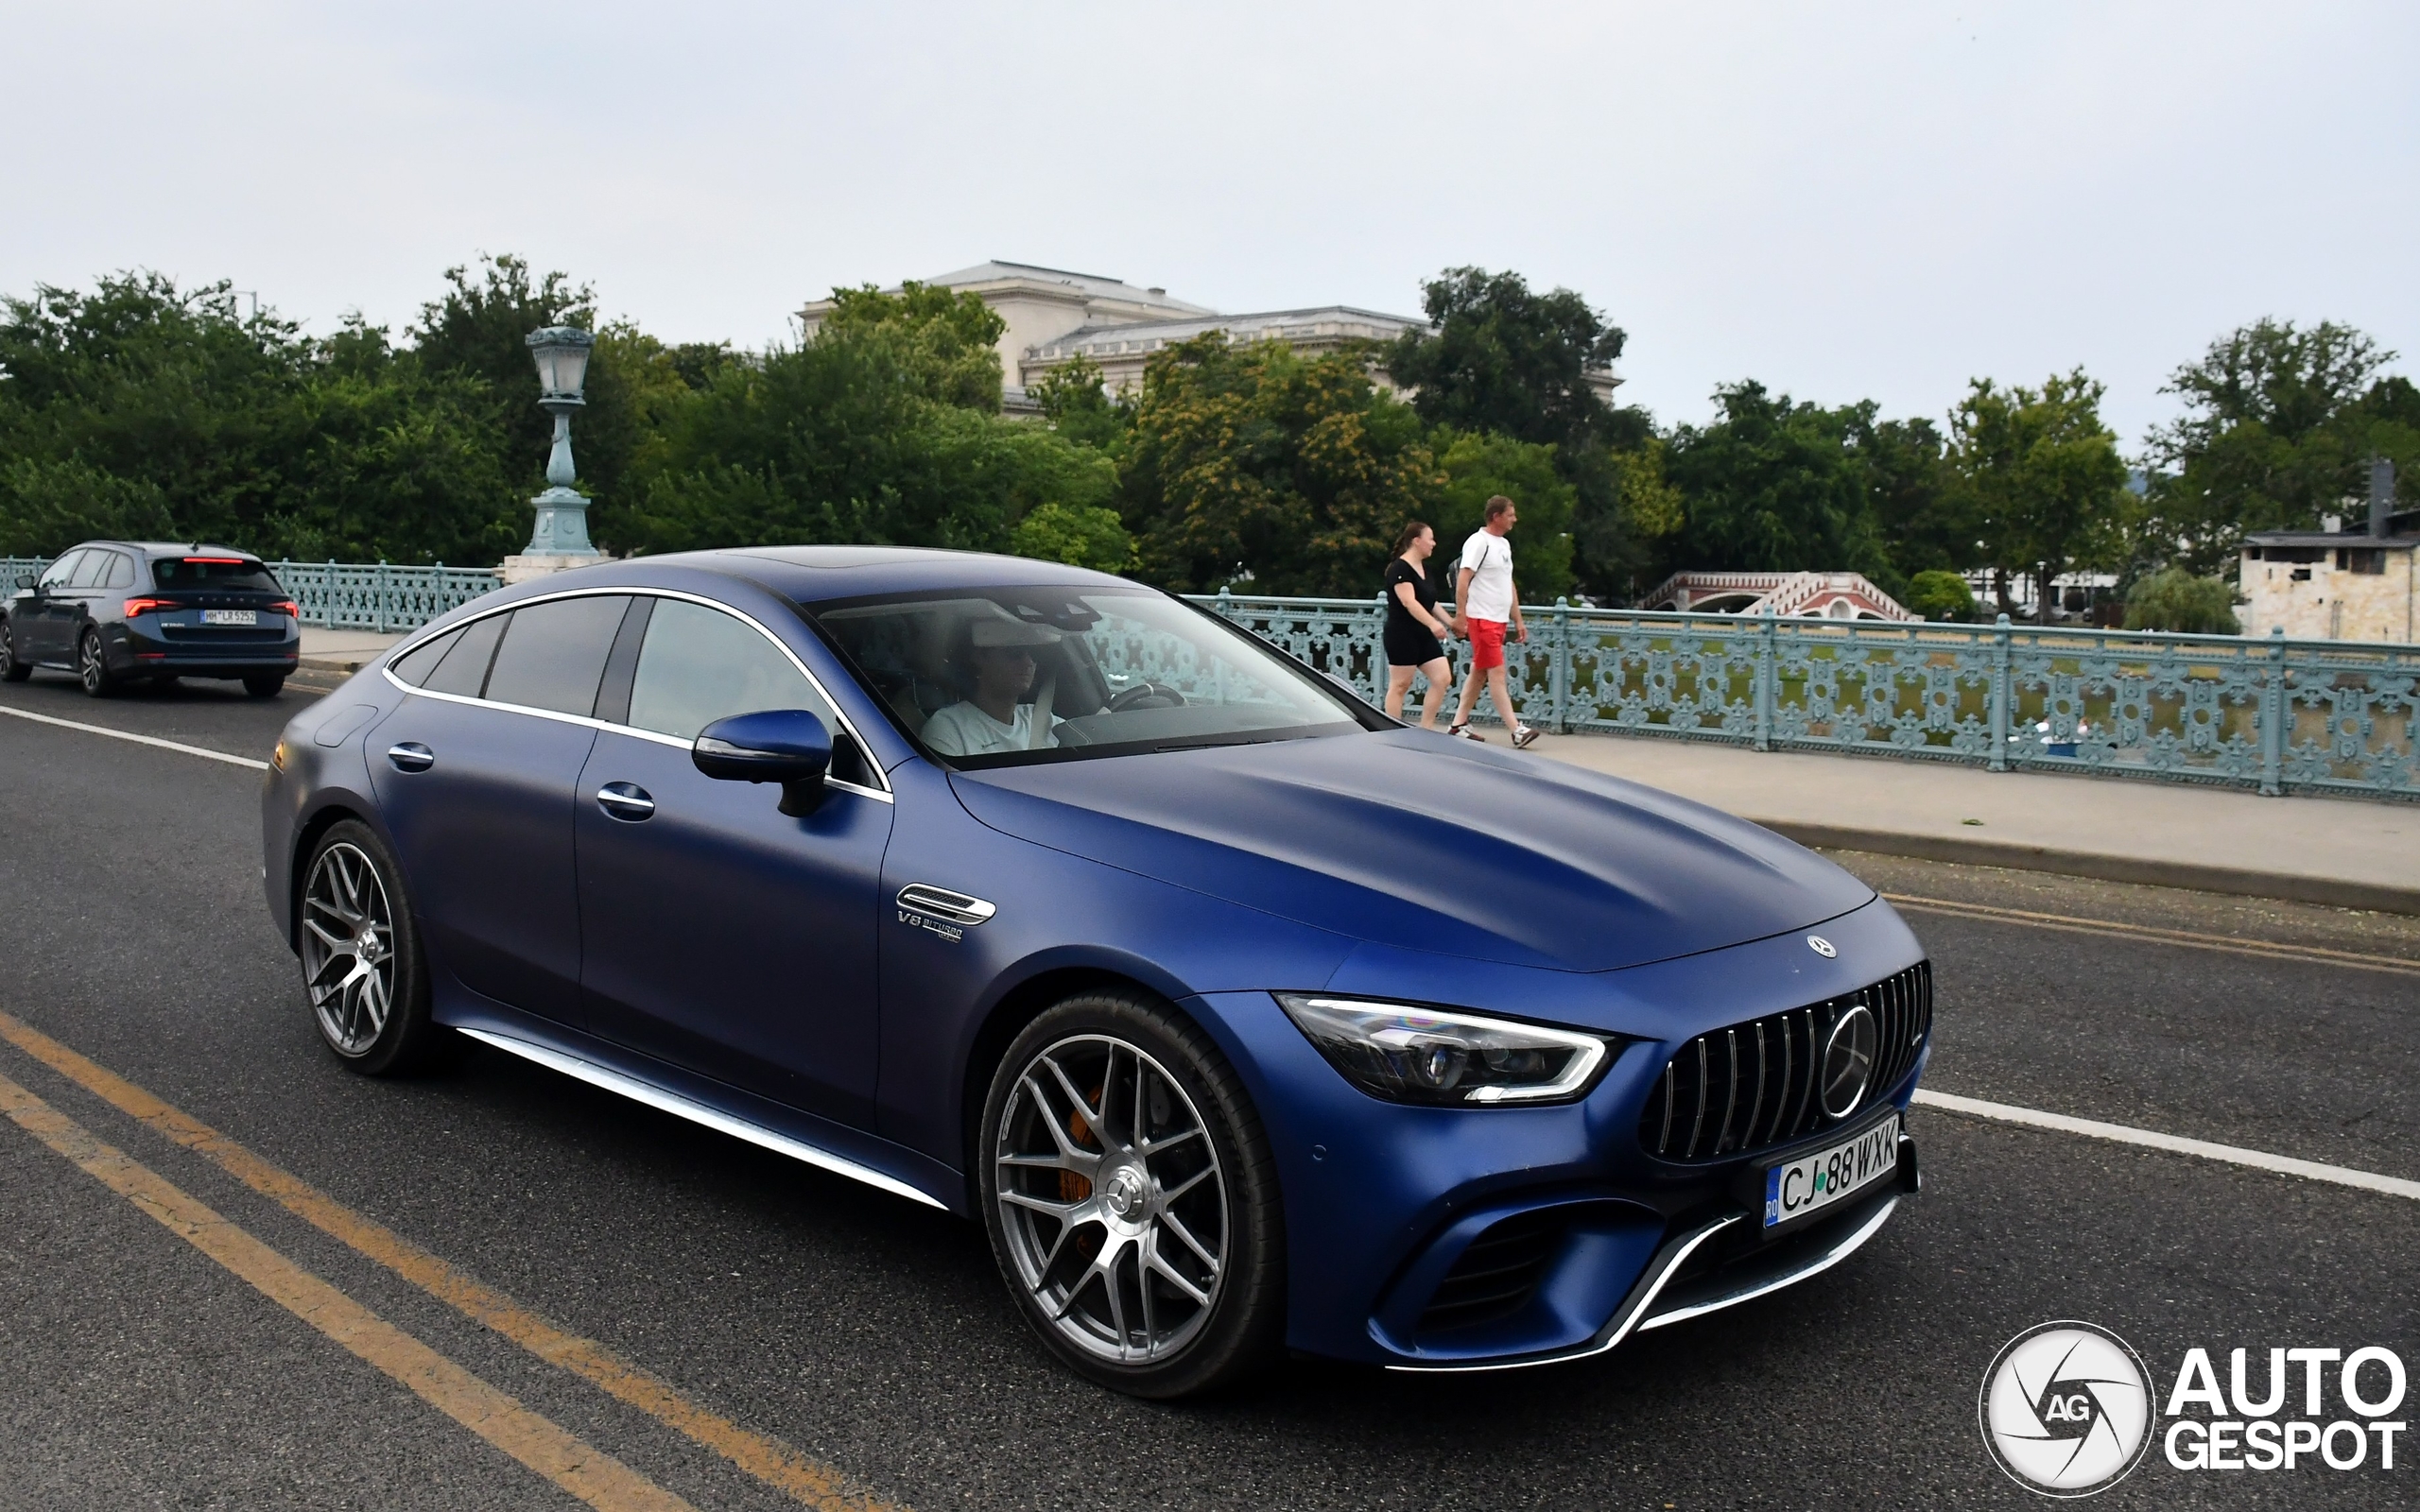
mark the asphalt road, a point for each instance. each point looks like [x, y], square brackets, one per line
[874, 1336]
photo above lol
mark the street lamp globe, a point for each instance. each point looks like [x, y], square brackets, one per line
[562, 352]
[559, 538]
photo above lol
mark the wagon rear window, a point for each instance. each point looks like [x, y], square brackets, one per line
[212, 572]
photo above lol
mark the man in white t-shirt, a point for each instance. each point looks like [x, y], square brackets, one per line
[998, 661]
[1488, 606]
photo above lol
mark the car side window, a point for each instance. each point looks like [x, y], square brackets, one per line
[698, 665]
[554, 654]
[121, 573]
[415, 665]
[90, 571]
[464, 669]
[60, 572]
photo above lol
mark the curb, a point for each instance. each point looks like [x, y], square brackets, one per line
[342, 666]
[2333, 892]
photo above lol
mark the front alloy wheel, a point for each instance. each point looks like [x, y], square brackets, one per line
[1131, 1199]
[12, 670]
[361, 959]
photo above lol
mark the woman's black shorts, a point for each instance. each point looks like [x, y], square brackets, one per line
[1411, 646]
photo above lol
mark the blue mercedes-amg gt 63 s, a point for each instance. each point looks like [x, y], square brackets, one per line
[1244, 1017]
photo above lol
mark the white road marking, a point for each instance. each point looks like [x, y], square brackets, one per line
[180, 747]
[2092, 1129]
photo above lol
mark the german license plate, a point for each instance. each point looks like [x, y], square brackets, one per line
[231, 616]
[1817, 1181]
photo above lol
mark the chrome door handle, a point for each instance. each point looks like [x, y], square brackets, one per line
[625, 801]
[411, 756]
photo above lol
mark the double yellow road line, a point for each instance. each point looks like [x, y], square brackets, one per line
[591, 1474]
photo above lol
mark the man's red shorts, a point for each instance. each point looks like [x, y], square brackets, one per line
[1487, 645]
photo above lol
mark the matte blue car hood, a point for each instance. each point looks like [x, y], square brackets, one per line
[1405, 839]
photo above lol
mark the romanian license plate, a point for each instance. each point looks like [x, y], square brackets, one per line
[1817, 1181]
[231, 616]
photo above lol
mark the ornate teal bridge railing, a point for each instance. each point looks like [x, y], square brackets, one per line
[351, 596]
[2271, 715]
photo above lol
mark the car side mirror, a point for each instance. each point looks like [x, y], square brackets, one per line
[786, 746]
[24, 582]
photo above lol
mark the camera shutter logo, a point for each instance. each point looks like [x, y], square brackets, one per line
[1848, 1061]
[2066, 1409]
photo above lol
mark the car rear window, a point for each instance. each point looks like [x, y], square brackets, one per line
[554, 653]
[233, 572]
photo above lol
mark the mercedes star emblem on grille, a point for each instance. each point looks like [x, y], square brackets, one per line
[1848, 1062]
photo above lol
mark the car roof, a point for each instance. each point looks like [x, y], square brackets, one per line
[176, 548]
[807, 575]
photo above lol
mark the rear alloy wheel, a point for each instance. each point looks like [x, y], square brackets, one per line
[1131, 1199]
[265, 687]
[362, 958]
[12, 670]
[92, 667]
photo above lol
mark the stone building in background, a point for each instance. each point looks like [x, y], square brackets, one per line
[2336, 584]
[1055, 315]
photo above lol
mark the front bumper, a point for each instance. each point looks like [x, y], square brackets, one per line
[1384, 1201]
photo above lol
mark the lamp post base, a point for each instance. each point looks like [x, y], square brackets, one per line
[523, 566]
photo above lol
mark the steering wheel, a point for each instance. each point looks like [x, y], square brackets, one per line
[1145, 695]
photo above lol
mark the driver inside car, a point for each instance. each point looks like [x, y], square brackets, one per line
[995, 662]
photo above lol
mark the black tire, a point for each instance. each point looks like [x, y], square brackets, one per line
[265, 686]
[92, 665]
[339, 876]
[1139, 1051]
[12, 670]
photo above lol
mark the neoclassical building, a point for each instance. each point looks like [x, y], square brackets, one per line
[1055, 315]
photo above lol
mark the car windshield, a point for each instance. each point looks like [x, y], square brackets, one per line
[212, 572]
[1006, 677]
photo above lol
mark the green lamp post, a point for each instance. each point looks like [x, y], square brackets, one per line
[562, 531]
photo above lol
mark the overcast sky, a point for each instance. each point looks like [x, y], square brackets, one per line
[1842, 201]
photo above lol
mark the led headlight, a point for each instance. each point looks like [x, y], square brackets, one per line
[1409, 1055]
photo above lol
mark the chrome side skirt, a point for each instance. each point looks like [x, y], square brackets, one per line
[1749, 1288]
[696, 1112]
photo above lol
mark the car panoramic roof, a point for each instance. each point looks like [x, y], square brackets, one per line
[813, 574]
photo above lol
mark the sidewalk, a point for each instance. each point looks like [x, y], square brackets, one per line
[2344, 852]
[345, 651]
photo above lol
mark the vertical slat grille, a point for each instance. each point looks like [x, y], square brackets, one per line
[1752, 1085]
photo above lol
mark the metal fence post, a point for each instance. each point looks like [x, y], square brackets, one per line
[1562, 665]
[1768, 676]
[2003, 696]
[2273, 716]
[378, 615]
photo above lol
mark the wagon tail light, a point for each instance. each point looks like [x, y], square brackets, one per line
[288, 607]
[1407, 1053]
[149, 605]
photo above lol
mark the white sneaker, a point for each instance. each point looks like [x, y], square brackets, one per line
[1524, 737]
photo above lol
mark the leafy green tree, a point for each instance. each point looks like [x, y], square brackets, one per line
[1254, 464]
[1772, 486]
[836, 441]
[2278, 427]
[1942, 596]
[1090, 537]
[1917, 508]
[2175, 599]
[2040, 474]
[1079, 406]
[1479, 465]
[142, 408]
[944, 340]
[1507, 360]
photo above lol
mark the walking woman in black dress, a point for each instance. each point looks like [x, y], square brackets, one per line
[1414, 627]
